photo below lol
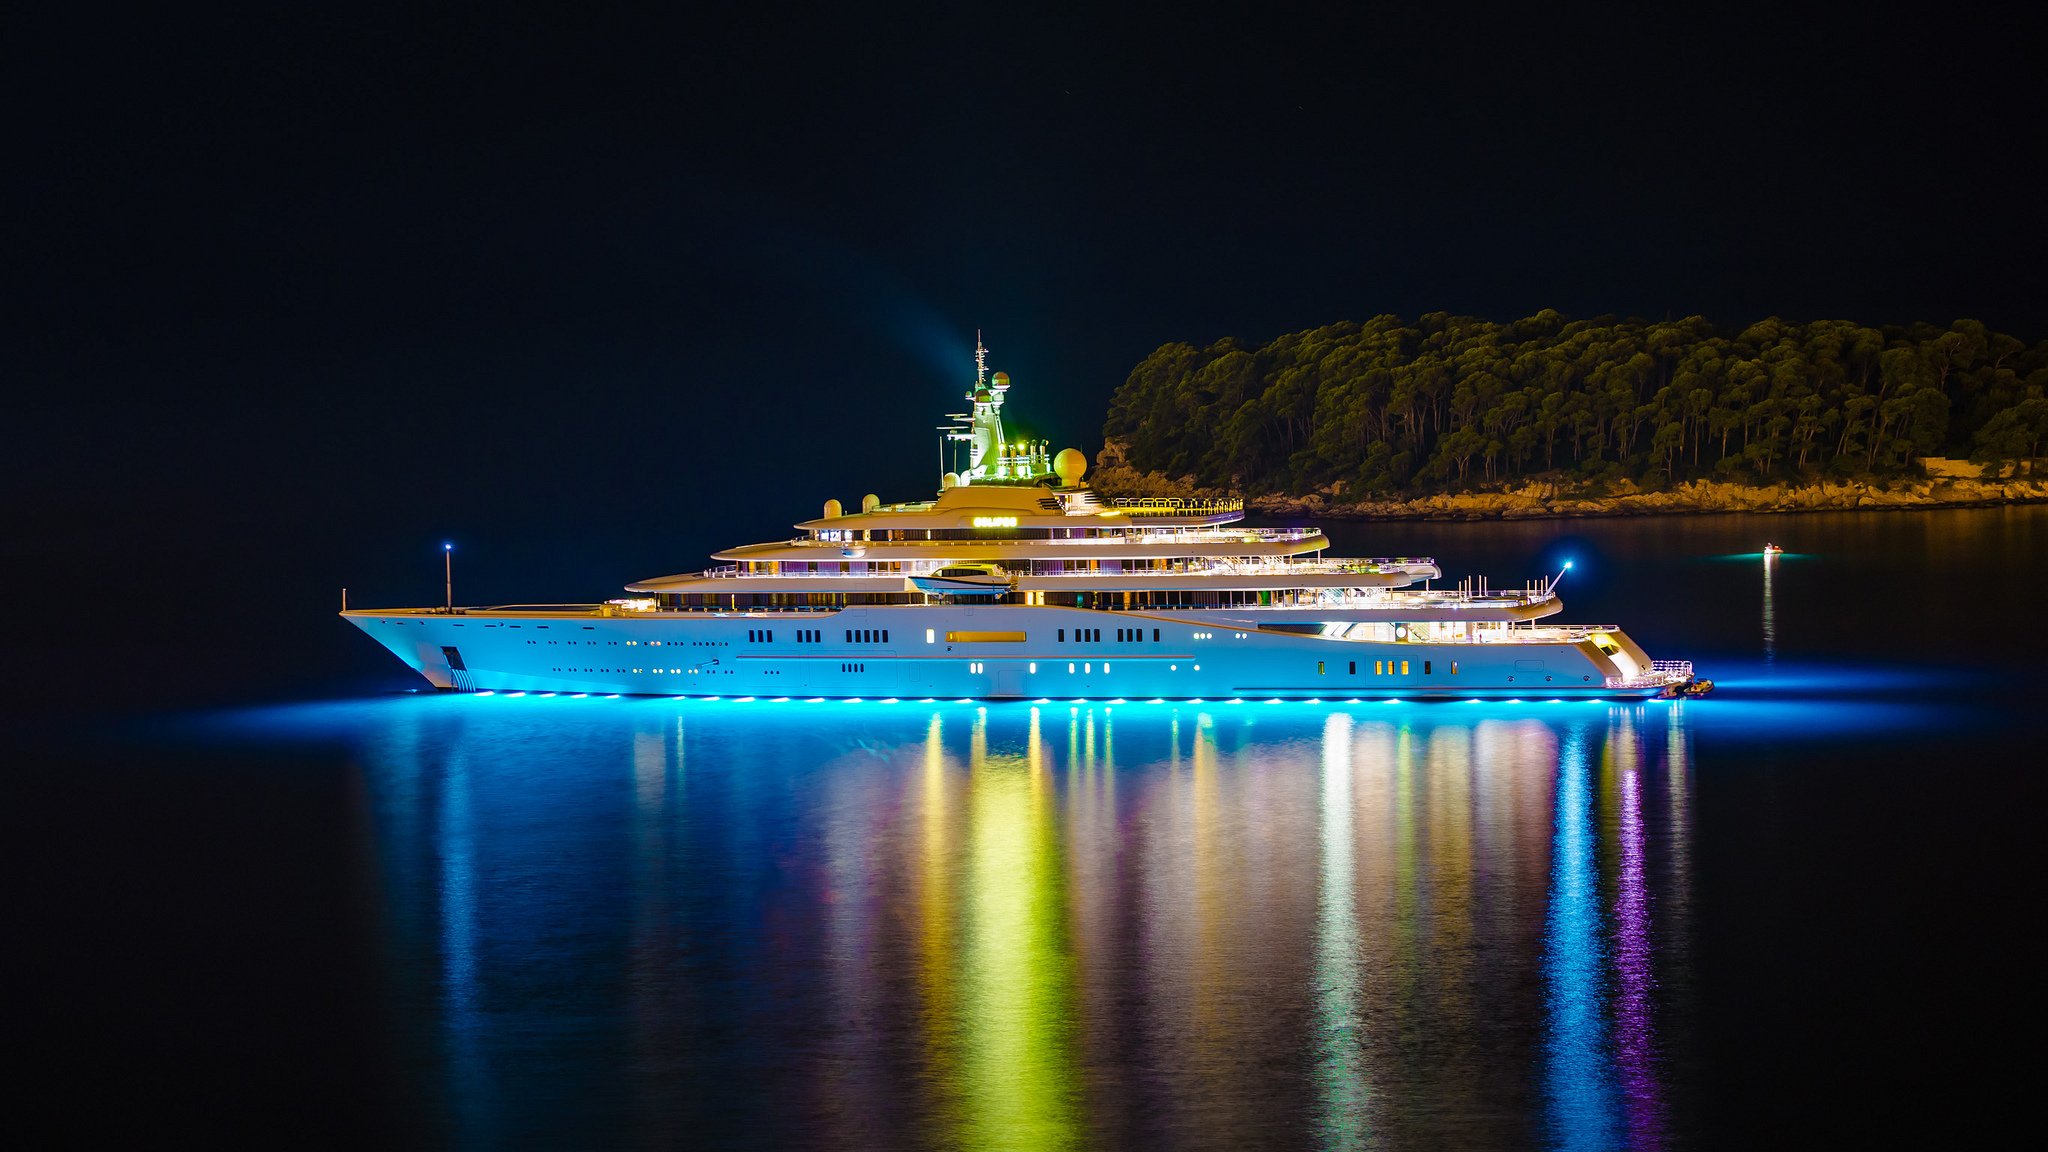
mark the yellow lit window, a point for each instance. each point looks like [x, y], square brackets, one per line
[1404, 667]
[1379, 668]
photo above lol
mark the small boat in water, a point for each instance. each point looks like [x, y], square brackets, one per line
[964, 580]
[1773, 550]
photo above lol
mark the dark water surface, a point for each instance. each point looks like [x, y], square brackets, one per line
[1799, 909]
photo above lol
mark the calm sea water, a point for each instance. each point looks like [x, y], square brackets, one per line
[1795, 910]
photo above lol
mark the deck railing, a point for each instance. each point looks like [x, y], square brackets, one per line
[1176, 505]
[1362, 566]
[1661, 673]
[1160, 534]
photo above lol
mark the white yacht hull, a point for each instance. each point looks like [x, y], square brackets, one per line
[995, 652]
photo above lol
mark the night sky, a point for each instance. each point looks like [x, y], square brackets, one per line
[296, 295]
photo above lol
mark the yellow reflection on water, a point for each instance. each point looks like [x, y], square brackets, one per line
[1013, 1006]
[1340, 1053]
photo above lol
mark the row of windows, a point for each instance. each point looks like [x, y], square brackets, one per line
[1386, 667]
[853, 667]
[760, 635]
[867, 635]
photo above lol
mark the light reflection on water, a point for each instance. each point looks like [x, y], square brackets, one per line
[1035, 926]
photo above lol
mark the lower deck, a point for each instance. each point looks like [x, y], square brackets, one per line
[1002, 652]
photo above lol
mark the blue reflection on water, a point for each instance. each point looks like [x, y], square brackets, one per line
[1578, 1083]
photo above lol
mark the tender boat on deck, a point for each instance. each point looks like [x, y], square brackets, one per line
[964, 580]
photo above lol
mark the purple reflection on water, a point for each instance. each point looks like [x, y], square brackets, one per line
[1634, 1034]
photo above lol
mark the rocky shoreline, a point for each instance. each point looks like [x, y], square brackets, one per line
[1695, 498]
[1553, 501]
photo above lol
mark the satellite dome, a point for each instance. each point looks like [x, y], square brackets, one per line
[981, 396]
[870, 502]
[949, 480]
[1000, 380]
[1070, 465]
[832, 510]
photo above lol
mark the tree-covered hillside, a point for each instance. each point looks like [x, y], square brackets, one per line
[1454, 402]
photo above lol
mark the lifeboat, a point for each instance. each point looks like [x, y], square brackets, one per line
[964, 580]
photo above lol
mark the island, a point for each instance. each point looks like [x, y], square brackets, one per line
[1459, 417]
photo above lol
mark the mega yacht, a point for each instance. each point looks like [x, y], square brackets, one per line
[1018, 581]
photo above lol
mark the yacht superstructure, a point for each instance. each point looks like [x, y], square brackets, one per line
[1018, 580]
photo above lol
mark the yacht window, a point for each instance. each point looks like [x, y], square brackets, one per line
[1155, 635]
[1354, 668]
[1379, 668]
[1319, 667]
[1425, 667]
[1404, 667]
[1063, 635]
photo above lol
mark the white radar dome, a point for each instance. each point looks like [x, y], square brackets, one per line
[1070, 465]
